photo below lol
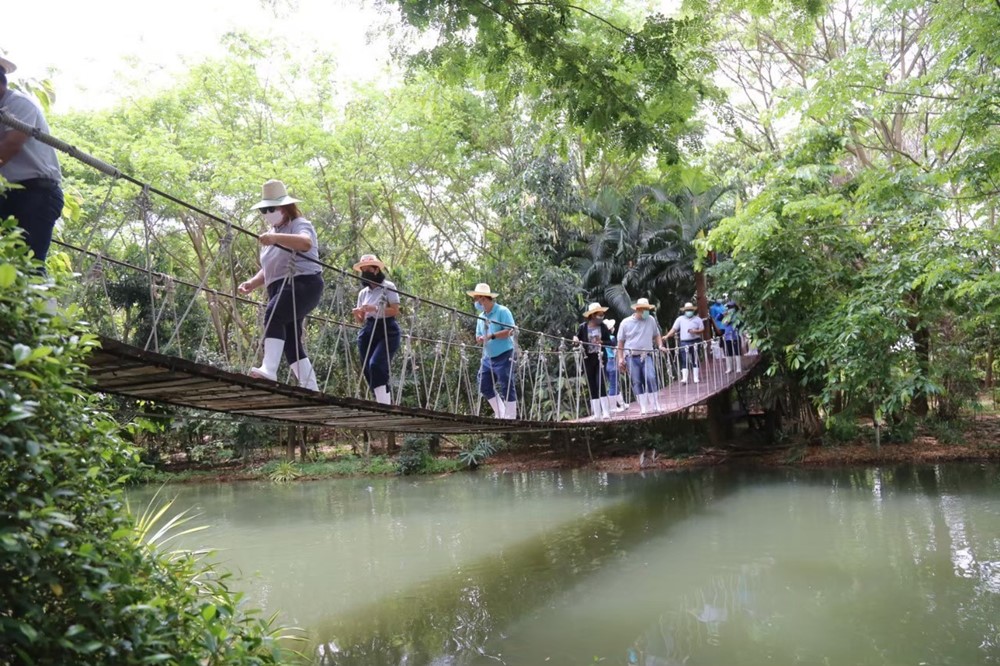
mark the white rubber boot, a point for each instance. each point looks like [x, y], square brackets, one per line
[605, 407]
[655, 395]
[497, 407]
[510, 409]
[303, 371]
[729, 365]
[684, 376]
[382, 395]
[620, 404]
[272, 358]
[595, 409]
[643, 402]
[697, 380]
[739, 363]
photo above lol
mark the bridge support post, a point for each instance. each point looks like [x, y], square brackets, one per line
[720, 427]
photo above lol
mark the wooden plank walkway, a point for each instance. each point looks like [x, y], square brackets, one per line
[130, 371]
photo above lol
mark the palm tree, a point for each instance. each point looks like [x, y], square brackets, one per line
[646, 246]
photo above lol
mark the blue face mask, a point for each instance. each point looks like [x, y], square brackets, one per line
[688, 314]
[645, 314]
[478, 306]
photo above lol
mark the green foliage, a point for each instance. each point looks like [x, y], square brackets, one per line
[476, 454]
[79, 585]
[414, 454]
[841, 429]
[284, 471]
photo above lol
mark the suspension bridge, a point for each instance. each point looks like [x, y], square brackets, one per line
[176, 333]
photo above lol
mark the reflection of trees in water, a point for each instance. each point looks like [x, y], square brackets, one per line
[450, 620]
[699, 618]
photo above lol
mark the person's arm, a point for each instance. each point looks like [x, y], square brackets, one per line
[670, 333]
[11, 145]
[299, 242]
[506, 323]
[253, 283]
[620, 352]
[701, 327]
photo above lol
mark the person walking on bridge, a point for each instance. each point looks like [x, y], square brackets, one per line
[495, 330]
[37, 201]
[690, 328]
[594, 337]
[378, 340]
[290, 270]
[638, 340]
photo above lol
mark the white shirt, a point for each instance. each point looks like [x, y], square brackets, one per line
[687, 324]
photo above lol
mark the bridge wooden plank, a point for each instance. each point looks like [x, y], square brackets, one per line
[127, 370]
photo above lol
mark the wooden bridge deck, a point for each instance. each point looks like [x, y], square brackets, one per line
[126, 370]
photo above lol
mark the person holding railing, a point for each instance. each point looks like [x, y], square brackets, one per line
[495, 330]
[732, 338]
[378, 340]
[290, 270]
[594, 337]
[36, 198]
[638, 340]
[611, 367]
[690, 329]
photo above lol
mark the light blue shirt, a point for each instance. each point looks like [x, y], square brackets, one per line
[499, 319]
[275, 260]
[35, 159]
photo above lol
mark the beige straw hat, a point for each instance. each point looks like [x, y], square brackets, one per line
[369, 260]
[273, 193]
[643, 304]
[482, 289]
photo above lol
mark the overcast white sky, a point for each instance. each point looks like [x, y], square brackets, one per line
[84, 46]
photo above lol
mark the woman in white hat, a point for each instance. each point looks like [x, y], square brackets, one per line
[638, 339]
[290, 270]
[595, 337]
[690, 328]
[376, 310]
[495, 330]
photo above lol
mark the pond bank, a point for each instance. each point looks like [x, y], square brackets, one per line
[975, 440]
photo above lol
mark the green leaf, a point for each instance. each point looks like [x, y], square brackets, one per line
[8, 274]
[209, 611]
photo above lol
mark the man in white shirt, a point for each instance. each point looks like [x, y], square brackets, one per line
[690, 328]
[638, 339]
[37, 201]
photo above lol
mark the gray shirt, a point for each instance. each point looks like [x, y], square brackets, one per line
[378, 296]
[35, 159]
[275, 260]
[636, 335]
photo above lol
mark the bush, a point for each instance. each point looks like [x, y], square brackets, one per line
[77, 585]
[841, 429]
[474, 456]
[284, 471]
[414, 454]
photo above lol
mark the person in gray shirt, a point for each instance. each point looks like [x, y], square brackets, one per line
[638, 340]
[290, 269]
[37, 201]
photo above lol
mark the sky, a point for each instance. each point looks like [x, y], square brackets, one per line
[85, 46]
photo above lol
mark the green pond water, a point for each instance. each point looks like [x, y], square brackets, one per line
[716, 567]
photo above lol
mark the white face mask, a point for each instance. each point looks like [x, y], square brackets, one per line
[274, 218]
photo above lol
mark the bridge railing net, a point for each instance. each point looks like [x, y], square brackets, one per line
[161, 274]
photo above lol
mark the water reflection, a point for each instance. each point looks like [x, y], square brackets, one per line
[717, 567]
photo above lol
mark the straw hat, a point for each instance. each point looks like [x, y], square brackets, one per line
[643, 304]
[594, 308]
[7, 65]
[369, 260]
[688, 306]
[610, 323]
[273, 193]
[482, 289]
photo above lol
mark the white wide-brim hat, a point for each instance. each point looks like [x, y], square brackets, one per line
[482, 289]
[369, 260]
[688, 306]
[610, 323]
[273, 193]
[7, 65]
[594, 308]
[643, 304]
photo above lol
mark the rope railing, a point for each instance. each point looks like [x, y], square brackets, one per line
[436, 368]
